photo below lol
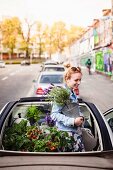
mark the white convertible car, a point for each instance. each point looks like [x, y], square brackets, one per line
[24, 145]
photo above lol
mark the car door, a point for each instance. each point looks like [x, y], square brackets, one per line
[109, 117]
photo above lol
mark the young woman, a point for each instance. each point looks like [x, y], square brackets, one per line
[69, 123]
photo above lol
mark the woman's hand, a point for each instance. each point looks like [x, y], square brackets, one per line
[79, 121]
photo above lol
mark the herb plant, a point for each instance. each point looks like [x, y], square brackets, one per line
[59, 95]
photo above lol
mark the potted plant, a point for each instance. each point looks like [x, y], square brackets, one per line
[20, 137]
[33, 114]
[61, 96]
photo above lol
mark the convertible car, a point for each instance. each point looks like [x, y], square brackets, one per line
[36, 144]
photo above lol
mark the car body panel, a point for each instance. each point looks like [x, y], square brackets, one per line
[67, 161]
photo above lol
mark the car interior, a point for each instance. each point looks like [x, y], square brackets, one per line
[90, 130]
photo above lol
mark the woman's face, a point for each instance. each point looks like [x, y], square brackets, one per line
[74, 81]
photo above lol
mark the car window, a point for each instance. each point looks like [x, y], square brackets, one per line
[21, 110]
[53, 69]
[51, 79]
[109, 118]
[92, 141]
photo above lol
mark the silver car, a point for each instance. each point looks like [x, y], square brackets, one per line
[2, 64]
[46, 80]
[53, 68]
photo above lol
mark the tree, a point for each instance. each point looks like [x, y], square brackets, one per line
[26, 37]
[40, 37]
[10, 28]
[73, 34]
[59, 32]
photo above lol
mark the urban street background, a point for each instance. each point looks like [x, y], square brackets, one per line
[17, 81]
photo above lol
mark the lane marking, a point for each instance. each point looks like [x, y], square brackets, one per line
[11, 74]
[4, 78]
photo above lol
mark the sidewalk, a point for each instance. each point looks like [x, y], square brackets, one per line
[98, 89]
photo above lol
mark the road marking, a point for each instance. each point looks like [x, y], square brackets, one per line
[11, 74]
[5, 78]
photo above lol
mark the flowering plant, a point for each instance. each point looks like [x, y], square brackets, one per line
[49, 120]
[21, 137]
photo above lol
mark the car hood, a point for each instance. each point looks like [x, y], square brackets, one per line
[70, 161]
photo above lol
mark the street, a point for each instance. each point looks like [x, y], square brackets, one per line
[16, 82]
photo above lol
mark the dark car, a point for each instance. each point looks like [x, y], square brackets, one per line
[98, 143]
[25, 62]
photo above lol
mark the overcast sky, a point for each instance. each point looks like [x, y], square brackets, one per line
[76, 12]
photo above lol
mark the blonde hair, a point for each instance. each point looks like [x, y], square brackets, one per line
[71, 71]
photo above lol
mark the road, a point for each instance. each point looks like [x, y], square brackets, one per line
[16, 82]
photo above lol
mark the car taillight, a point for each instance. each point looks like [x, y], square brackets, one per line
[40, 91]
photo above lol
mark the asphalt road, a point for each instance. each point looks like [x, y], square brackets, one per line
[98, 89]
[17, 81]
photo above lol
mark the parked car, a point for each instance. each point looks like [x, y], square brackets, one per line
[2, 64]
[47, 79]
[50, 62]
[25, 62]
[53, 68]
[98, 154]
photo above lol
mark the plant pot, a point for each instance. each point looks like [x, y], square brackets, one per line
[71, 110]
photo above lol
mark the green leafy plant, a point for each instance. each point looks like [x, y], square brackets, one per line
[20, 137]
[59, 95]
[15, 137]
[33, 114]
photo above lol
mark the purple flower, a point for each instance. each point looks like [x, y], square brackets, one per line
[49, 120]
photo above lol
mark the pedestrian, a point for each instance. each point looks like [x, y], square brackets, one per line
[71, 124]
[88, 65]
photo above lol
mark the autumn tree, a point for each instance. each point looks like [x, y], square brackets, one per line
[25, 37]
[59, 32]
[74, 33]
[10, 28]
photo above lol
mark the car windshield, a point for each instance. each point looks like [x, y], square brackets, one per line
[21, 110]
[51, 79]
